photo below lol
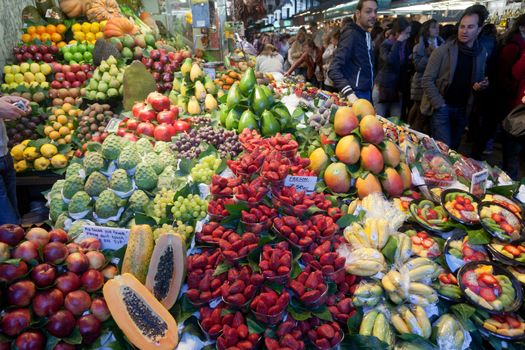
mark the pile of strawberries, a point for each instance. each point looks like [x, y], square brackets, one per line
[250, 269]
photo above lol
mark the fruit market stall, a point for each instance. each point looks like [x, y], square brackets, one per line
[238, 212]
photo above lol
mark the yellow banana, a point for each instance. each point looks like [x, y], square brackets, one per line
[383, 230]
[411, 321]
[381, 328]
[423, 321]
[420, 289]
[414, 263]
[364, 268]
[399, 324]
[395, 297]
[421, 272]
[388, 284]
[367, 324]
[371, 231]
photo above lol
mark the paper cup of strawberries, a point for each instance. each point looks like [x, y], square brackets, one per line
[460, 206]
[504, 201]
[235, 247]
[269, 307]
[287, 335]
[429, 215]
[423, 244]
[211, 321]
[508, 327]
[500, 222]
[222, 187]
[217, 208]
[458, 251]
[490, 287]
[258, 219]
[324, 335]
[251, 193]
[240, 287]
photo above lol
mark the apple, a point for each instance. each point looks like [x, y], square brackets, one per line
[58, 235]
[167, 78]
[85, 67]
[96, 259]
[77, 262]
[157, 67]
[68, 282]
[30, 340]
[175, 110]
[57, 67]
[33, 49]
[55, 253]
[15, 321]
[60, 76]
[11, 234]
[75, 67]
[76, 84]
[55, 84]
[77, 302]
[99, 308]
[38, 235]
[9, 272]
[146, 129]
[92, 280]
[121, 132]
[71, 76]
[43, 275]
[167, 117]
[48, 302]
[61, 324]
[90, 243]
[21, 293]
[26, 251]
[158, 101]
[147, 115]
[181, 126]
[48, 57]
[132, 124]
[89, 327]
[66, 68]
[38, 57]
[154, 54]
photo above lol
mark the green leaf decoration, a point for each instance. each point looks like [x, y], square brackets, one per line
[389, 250]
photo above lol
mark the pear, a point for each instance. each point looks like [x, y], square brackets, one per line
[104, 66]
[193, 106]
[186, 66]
[182, 103]
[200, 91]
[184, 89]
[106, 77]
[210, 103]
[113, 71]
[111, 60]
[196, 72]
[176, 84]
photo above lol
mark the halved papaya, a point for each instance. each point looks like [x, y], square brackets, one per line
[167, 269]
[138, 252]
[145, 322]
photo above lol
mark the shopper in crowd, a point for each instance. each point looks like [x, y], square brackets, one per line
[317, 34]
[296, 48]
[269, 60]
[310, 58]
[413, 39]
[328, 56]
[448, 32]
[8, 203]
[378, 36]
[352, 69]
[512, 89]
[454, 72]
[428, 41]
[394, 56]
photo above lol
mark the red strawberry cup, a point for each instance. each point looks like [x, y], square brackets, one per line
[217, 208]
[211, 321]
[330, 264]
[269, 307]
[235, 247]
[294, 232]
[222, 187]
[284, 144]
[251, 194]
[276, 262]
[327, 336]
[309, 288]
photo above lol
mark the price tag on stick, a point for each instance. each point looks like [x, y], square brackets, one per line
[110, 237]
[301, 183]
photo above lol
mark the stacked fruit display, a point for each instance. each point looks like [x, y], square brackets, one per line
[88, 32]
[110, 198]
[61, 123]
[191, 143]
[226, 80]
[359, 145]
[40, 155]
[52, 288]
[133, 47]
[26, 74]
[36, 53]
[77, 53]
[25, 127]
[92, 123]
[42, 33]
[264, 114]
[195, 92]
[162, 65]
[68, 82]
[156, 118]
[106, 81]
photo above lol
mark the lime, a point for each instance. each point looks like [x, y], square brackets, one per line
[77, 56]
[68, 56]
[81, 48]
[64, 49]
[73, 48]
[88, 56]
[90, 47]
[72, 62]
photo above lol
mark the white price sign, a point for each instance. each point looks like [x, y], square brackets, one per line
[110, 237]
[301, 183]
[210, 72]
[112, 125]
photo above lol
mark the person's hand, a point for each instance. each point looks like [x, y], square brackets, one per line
[9, 111]
[352, 98]
[481, 85]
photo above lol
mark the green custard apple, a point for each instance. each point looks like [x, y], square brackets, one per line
[95, 184]
[106, 204]
[145, 177]
[72, 185]
[120, 181]
[79, 203]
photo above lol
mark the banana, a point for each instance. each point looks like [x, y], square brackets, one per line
[370, 254]
[418, 300]
[411, 321]
[421, 272]
[405, 250]
[451, 291]
[399, 324]
[395, 297]
[352, 206]
[370, 228]
[423, 321]
[417, 262]
[354, 240]
[367, 294]
[459, 339]
[382, 329]
[364, 268]
[383, 230]
[420, 289]
[367, 324]
[388, 284]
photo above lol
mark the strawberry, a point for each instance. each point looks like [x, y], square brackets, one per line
[513, 322]
[488, 279]
[487, 294]
[512, 250]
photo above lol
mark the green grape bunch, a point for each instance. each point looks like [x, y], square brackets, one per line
[189, 209]
[204, 170]
[162, 202]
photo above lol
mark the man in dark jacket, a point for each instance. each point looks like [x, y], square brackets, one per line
[352, 69]
[454, 72]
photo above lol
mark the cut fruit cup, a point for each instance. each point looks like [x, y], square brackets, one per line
[507, 327]
[458, 251]
[437, 170]
[490, 287]
[500, 222]
[461, 206]
[429, 215]
[509, 254]
[504, 201]
[423, 245]
[447, 287]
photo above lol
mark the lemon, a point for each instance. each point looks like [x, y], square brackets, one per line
[40, 78]
[90, 37]
[29, 77]
[45, 68]
[86, 27]
[8, 70]
[79, 36]
[34, 68]
[24, 67]
[103, 24]
[21, 166]
[48, 150]
[95, 27]
[17, 152]
[41, 163]
[99, 35]
[76, 27]
[44, 85]
[30, 153]
[59, 161]
[15, 69]
[9, 78]
[61, 141]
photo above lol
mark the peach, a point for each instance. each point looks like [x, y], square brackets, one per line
[348, 149]
[371, 159]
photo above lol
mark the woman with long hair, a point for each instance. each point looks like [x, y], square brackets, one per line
[311, 59]
[428, 40]
[328, 56]
[269, 60]
[394, 56]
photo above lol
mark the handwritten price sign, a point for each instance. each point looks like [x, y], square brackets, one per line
[301, 183]
[110, 237]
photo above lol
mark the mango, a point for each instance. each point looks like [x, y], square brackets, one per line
[369, 184]
[336, 178]
[371, 129]
[391, 154]
[345, 121]
[318, 160]
[348, 149]
[406, 175]
[363, 107]
[392, 182]
[371, 159]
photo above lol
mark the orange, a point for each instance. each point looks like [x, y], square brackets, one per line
[40, 29]
[26, 38]
[45, 36]
[61, 44]
[67, 107]
[51, 28]
[31, 30]
[56, 37]
[61, 29]
[35, 37]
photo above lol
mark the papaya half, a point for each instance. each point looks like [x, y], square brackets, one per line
[138, 252]
[145, 322]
